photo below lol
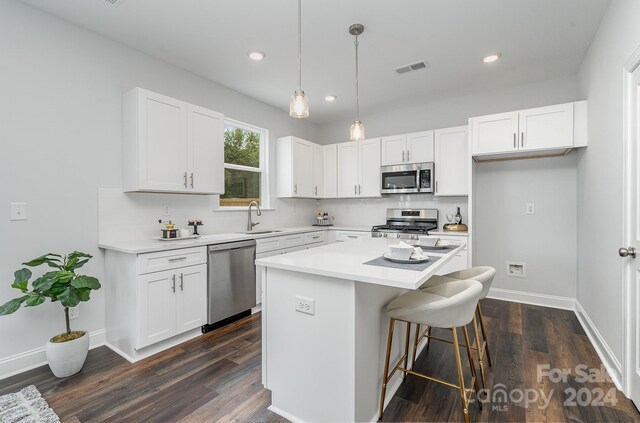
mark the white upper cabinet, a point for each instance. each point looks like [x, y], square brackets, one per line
[359, 168]
[297, 175]
[543, 131]
[318, 170]
[407, 148]
[330, 171]
[171, 146]
[452, 162]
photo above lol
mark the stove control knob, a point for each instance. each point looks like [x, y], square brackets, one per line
[385, 235]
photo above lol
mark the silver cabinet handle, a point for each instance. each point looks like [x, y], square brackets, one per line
[514, 140]
[355, 190]
[408, 159]
[173, 285]
[316, 190]
[352, 236]
[521, 139]
[403, 155]
[181, 282]
[359, 189]
[185, 179]
[191, 179]
[295, 189]
[173, 260]
[315, 237]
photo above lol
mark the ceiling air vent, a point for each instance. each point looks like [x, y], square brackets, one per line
[114, 3]
[413, 67]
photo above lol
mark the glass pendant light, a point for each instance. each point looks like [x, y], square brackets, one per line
[356, 131]
[299, 104]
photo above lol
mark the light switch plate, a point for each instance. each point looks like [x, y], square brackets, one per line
[18, 211]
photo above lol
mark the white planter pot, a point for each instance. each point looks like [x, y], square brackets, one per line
[67, 358]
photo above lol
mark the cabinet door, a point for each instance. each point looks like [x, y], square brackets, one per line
[302, 168]
[330, 171]
[369, 165]
[546, 127]
[162, 137]
[494, 133]
[451, 161]
[191, 287]
[348, 169]
[394, 150]
[420, 147]
[317, 170]
[205, 146]
[156, 307]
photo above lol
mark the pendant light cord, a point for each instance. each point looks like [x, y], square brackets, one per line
[357, 84]
[300, 45]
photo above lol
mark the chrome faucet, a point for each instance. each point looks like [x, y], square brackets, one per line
[250, 224]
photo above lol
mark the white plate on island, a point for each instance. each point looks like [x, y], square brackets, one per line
[422, 259]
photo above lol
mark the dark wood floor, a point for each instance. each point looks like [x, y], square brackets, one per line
[216, 377]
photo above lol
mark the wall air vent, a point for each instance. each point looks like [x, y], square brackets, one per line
[413, 67]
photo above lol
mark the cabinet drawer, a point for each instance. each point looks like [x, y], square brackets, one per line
[313, 237]
[459, 262]
[342, 236]
[268, 244]
[292, 240]
[164, 260]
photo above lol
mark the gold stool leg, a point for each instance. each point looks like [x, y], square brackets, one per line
[463, 395]
[386, 365]
[416, 340]
[428, 339]
[471, 364]
[478, 348]
[406, 350]
[484, 333]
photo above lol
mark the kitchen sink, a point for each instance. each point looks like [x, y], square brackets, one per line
[259, 232]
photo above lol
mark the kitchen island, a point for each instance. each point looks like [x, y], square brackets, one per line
[325, 325]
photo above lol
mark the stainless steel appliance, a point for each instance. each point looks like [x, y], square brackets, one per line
[407, 223]
[412, 178]
[232, 280]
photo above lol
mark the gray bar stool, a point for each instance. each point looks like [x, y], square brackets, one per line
[482, 274]
[449, 306]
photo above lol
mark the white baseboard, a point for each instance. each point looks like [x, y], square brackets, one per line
[18, 363]
[611, 363]
[544, 300]
[281, 413]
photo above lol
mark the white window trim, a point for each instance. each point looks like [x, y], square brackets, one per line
[265, 198]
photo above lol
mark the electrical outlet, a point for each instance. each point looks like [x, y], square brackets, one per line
[305, 305]
[531, 208]
[166, 210]
[74, 312]
[517, 269]
[18, 211]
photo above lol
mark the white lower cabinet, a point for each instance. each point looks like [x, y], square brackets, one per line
[171, 302]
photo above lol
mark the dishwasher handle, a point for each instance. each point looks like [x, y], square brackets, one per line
[232, 246]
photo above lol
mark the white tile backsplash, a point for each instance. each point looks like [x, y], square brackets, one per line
[133, 216]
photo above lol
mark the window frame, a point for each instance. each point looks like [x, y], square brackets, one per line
[265, 198]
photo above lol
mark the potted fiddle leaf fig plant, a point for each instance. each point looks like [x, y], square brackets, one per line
[66, 352]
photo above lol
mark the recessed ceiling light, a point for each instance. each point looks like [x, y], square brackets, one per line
[256, 55]
[491, 57]
[330, 98]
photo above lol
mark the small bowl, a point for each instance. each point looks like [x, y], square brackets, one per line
[426, 241]
[170, 226]
[400, 252]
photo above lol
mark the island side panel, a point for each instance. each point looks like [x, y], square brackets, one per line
[309, 359]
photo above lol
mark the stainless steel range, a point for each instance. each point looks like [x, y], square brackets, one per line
[407, 223]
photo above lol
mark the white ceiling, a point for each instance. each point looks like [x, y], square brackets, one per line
[539, 39]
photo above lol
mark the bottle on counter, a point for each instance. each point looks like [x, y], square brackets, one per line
[458, 216]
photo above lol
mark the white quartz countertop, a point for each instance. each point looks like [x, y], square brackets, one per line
[345, 260]
[153, 245]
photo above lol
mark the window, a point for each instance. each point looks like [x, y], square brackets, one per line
[245, 164]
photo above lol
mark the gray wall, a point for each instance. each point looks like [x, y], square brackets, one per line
[600, 286]
[61, 138]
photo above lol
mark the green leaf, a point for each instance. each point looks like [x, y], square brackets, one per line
[56, 289]
[85, 282]
[53, 260]
[70, 297]
[22, 286]
[84, 294]
[12, 305]
[45, 282]
[22, 275]
[64, 276]
[34, 300]
[79, 254]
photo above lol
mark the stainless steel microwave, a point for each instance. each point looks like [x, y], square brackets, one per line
[404, 179]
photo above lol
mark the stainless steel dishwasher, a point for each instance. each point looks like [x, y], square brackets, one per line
[232, 281]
